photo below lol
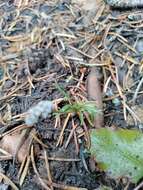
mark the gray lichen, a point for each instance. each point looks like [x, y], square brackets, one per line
[42, 109]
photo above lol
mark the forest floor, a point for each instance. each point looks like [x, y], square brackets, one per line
[47, 50]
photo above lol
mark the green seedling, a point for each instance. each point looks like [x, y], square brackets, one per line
[80, 108]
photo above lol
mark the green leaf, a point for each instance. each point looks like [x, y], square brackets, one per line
[118, 152]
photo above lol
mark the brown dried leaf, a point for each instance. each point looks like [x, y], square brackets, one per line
[10, 143]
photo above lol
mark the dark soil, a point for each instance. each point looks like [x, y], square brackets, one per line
[50, 43]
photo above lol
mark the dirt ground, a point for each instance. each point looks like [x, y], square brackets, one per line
[47, 49]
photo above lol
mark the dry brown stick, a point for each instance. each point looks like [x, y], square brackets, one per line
[14, 130]
[64, 126]
[71, 134]
[48, 169]
[44, 185]
[137, 90]
[61, 159]
[45, 182]
[95, 94]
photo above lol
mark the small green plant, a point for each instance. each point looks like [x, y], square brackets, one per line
[80, 108]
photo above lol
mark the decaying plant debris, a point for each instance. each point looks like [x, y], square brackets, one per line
[47, 50]
[10, 144]
[95, 94]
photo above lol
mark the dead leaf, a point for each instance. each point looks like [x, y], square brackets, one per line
[10, 143]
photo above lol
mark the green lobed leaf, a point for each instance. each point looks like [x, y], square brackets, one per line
[118, 152]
